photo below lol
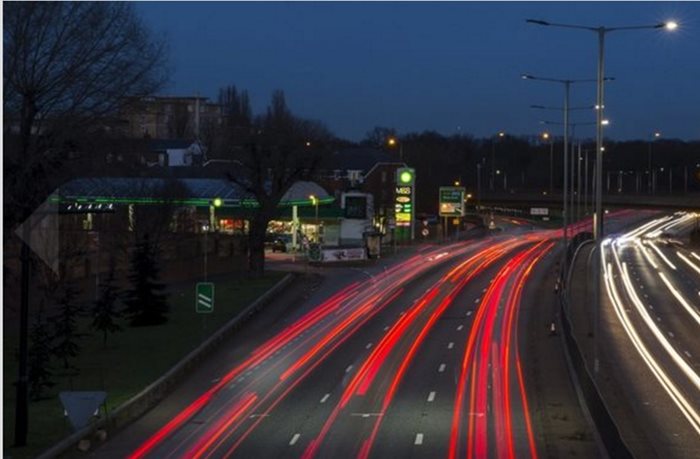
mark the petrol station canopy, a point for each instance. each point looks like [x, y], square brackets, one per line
[200, 192]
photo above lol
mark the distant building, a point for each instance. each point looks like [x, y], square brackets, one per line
[169, 117]
[364, 169]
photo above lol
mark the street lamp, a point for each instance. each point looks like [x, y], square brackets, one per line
[492, 185]
[652, 137]
[314, 201]
[392, 142]
[598, 215]
[601, 31]
[546, 136]
[567, 85]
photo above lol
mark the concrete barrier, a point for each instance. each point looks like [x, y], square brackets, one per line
[594, 404]
[157, 390]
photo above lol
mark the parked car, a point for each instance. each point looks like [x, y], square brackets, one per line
[281, 243]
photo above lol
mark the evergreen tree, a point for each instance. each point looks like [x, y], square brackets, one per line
[39, 357]
[65, 326]
[105, 312]
[146, 302]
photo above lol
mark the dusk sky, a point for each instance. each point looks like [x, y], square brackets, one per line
[448, 67]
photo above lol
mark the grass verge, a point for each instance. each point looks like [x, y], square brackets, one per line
[132, 359]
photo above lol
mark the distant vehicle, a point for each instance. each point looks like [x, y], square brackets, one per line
[281, 243]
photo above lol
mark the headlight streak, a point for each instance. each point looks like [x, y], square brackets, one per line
[688, 262]
[663, 257]
[666, 383]
[688, 307]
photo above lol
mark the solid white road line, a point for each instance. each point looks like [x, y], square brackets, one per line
[325, 397]
[419, 439]
[294, 439]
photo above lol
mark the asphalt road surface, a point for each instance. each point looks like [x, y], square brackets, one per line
[647, 343]
[421, 358]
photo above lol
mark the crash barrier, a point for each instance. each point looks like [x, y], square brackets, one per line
[608, 431]
[156, 391]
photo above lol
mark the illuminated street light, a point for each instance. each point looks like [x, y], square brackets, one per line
[492, 185]
[601, 32]
[314, 201]
[650, 179]
[605, 122]
[567, 86]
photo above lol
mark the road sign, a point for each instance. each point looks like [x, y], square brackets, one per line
[425, 232]
[204, 303]
[80, 407]
[452, 201]
[539, 211]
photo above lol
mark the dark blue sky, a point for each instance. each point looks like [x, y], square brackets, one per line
[449, 67]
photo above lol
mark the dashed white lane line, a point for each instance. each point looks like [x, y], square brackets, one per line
[460, 327]
[368, 345]
[294, 439]
[476, 301]
[347, 370]
[431, 396]
[671, 334]
[386, 328]
[688, 354]
[450, 345]
[658, 319]
[469, 313]
[419, 439]
[325, 397]
[441, 368]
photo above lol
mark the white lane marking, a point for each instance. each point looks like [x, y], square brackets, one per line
[688, 354]
[441, 368]
[386, 328]
[469, 313]
[450, 345]
[325, 397]
[419, 439]
[483, 291]
[294, 439]
[431, 396]
[460, 327]
[347, 370]
[368, 345]
[671, 334]
[476, 301]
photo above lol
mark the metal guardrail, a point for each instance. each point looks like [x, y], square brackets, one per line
[157, 390]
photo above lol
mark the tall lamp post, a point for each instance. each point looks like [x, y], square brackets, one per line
[600, 105]
[546, 136]
[492, 185]
[314, 201]
[652, 137]
[601, 32]
[567, 86]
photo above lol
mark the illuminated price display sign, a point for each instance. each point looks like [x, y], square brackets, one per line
[403, 205]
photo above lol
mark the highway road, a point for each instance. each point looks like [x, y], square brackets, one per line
[648, 336]
[422, 359]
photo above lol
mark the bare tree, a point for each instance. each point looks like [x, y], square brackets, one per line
[66, 66]
[278, 150]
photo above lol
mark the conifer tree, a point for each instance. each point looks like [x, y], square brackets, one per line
[146, 301]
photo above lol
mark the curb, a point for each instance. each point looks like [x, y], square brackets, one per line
[140, 403]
